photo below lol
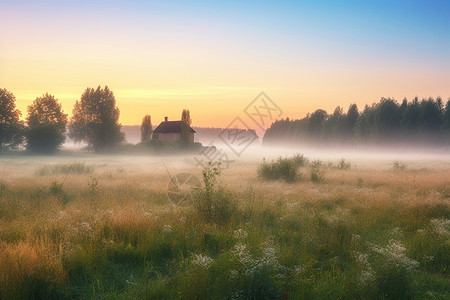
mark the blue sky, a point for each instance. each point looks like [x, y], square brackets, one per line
[307, 54]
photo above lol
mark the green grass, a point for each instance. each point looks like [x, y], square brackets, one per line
[117, 238]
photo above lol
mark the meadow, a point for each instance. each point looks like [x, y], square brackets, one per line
[85, 226]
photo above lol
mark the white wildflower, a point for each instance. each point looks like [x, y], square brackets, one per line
[441, 226]
[395, 254]
[428, 258]
[131, 281]
[240, 234]
[202, 260]
[299, 269]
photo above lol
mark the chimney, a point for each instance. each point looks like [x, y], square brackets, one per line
[165, 119]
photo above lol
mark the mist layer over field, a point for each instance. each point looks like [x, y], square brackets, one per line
[82, 225]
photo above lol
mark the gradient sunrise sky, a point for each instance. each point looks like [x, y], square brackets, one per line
[214, 57]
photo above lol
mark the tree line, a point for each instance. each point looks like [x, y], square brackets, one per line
[420, 122]
[95, 120]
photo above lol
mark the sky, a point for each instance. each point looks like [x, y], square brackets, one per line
[215, 57]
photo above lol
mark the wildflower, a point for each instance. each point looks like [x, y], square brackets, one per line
[429, 258]
[202, 260]
[240, 234]
[394, 252]
[131, 281]
[441, 226]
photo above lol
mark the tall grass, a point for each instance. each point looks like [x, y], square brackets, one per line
[30, 270]
[385, 237]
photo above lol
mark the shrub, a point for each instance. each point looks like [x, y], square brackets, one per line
[214, 204]
[283, 168]
[56, 189]
[341, 165]
[72, 168]
[92, 184]
[394, 271]
[318, 170]
[398, 166]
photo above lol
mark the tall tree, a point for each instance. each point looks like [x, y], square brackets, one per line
[186, 117]
[446, 121]
[11, 127]
[387, 119]
[95, 119]
[364, 127]
[431, 115]
[146, 129]
[46, 125]
[334, 125]
[350, 120]
[316, 124]
[185, 127]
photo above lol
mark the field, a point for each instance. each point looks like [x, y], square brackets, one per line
[91, 226]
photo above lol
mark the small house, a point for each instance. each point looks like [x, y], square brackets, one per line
[171, 131]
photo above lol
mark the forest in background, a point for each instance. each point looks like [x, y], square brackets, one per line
[423, 122]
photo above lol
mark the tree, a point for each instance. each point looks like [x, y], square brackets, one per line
[185, 126]
[364, 127]
[11, 127]
[431, 115]
[146, 129]
[46, 125]
[387, 119]
[334, 125]
[316, 123]
[186, 117]
[446, 121]
[350, 120]
[95, 119]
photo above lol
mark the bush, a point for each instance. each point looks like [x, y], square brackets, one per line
[56, 189]
[282, 168]
[341, 165]
[318, 170]
[72, 168]
[398, 166]
[214, 204]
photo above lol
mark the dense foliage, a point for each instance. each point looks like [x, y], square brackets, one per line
[95, 119]
[419, 122]
[146, 129]
[46, 122]
[11, 127]
[185, 125]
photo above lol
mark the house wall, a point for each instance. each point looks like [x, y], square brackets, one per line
[169, 136]
[174, 136]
